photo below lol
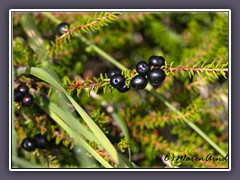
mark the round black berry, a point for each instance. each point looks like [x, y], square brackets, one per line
[123, 89]
[28, 144]
[156, 76]
[61, 28]
[117, 81]
[17, 96]
[27, 100]
[156, 61]
[41, 141]
[139, 82]
[23, 88]
[142, 68]
[112, 72]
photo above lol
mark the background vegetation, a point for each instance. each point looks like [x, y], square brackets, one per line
[91, 125]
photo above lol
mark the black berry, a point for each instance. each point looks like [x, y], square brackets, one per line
[23, 89]
[61, 28]
[27, 100]
[123, 89]
[156, 76]
[41, 141]
[156, 61]
[142, 68]
[28, 144]
[139, 82]
[17, 96]
[117, 81]
[112, 72]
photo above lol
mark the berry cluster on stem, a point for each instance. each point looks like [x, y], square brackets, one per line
[150, 71]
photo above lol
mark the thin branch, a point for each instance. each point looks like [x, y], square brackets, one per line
[85, 26]
[196, 69]
[146, 120]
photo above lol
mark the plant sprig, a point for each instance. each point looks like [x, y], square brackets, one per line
[94, 23]
[210, 70]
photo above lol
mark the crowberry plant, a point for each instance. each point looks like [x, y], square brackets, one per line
[162, 94]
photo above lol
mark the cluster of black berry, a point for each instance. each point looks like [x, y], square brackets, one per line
[39, 141]
[21, 95]
[145, 71]
[150, 71]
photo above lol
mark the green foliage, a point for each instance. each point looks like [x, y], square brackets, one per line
[92, 23]
[92, 125]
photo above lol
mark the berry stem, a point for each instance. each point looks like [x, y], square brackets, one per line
[79, 84]
[85, 26]
[195, 69]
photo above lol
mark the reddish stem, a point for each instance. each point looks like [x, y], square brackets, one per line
[195, 69]
[84, 26]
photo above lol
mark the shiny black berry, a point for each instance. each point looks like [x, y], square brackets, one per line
[117, 81]
[142, 68]
[23, 89]
[27, 100]
[139, 82]
[61, 28]
[29, 144]
[123, 89]
[112, 72]
[41, 141]
[156, 76]
[17, 96]
[156, 61]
